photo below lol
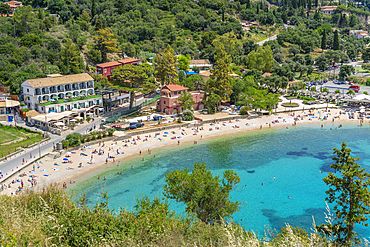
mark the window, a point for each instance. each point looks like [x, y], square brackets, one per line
[175, 93]
[164, 102]
[28, 90]
[105, 70]
[174, 103]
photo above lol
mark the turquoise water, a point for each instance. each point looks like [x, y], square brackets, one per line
[298, 159]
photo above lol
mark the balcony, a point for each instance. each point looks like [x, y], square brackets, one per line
[83, 87]
[37, 93]
[90, 85]
[60, 90]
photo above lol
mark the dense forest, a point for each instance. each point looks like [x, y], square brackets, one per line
[64, 36]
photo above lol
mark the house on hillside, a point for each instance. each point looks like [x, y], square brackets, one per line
[169, 103]
[359, 33]
[62, 93]
[13, 6]
[246, 25]
[202, 64]
[106, 69]
[8, 108]
[328, 10]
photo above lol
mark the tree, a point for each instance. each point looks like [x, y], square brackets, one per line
[70, 58]
[24, 14]
[183, 62]
[186, 101]
[193, 82]
[182, 76]
[203, 194]
[128, 49]
[5, 9]
[133, 78]
[336, 41]
[221, 83]
[294, 49]
[262, 59]
[104, 42]
[346, 70]
[93, 9]
[350, 193]
[165, 69]
[366, 54]
[323, 40]
[337, 91]
[212, 102]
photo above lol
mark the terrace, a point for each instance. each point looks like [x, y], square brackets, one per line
[61, 101]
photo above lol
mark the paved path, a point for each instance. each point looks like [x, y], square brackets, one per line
[265, 40]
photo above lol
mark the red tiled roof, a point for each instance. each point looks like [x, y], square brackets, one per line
[108, 64]
[13, 4]
[129, 60]
[174, 87]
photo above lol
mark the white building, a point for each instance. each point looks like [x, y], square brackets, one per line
[202, 64]
[60, 93]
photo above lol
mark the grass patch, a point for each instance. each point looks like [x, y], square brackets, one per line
[289, 104]
[8, 134]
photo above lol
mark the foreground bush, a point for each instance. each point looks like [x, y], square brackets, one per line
[50, 218]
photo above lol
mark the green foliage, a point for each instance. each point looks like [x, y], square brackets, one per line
[183, 62]
[350, 193]
[258, 98]
[351, 92]
[203, 194]
[244, 110]
[346, 71]
[336, 41]
[165, 69]
[213, 100]
[221, 80]
[30, 40]
[132, 78]
[186, 102]
[262, 59]
[366, 54]
[74, 139]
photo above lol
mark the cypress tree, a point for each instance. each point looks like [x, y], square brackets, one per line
[316, 3]
[93, 9]
[323, 40]
[336, 41]
[258, 9]
[309, 5]
[248, 4]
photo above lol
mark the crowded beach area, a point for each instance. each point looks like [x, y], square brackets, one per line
[74, 165]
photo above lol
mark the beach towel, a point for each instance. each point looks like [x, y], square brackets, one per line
[43, 170]
[55, 169]
[46, 175]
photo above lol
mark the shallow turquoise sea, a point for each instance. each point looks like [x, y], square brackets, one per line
[273, 165]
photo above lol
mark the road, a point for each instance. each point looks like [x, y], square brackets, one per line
[265, 40]
[342, 87]
[30, 154]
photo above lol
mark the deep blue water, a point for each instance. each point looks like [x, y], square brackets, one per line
[298, 159]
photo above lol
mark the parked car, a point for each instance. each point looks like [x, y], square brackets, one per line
[131, 127]
[138, 124]
[29, 124]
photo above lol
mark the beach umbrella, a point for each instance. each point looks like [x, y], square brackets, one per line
[65, 159]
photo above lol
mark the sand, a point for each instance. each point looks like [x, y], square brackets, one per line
[49, 170]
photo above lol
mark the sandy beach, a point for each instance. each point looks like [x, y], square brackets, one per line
[76, 165]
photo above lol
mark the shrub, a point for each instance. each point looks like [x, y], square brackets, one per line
[65, 144]
[366, 93]
[243, 110]
[188, 116]
[22, 104]
[305, 101]
[110, 131]
[179, 120]
[74, 139]
[25, 110]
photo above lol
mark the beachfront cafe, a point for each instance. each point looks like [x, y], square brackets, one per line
[8, 108]
[358, 101]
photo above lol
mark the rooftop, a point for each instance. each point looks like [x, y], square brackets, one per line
[328, 8]
[174, 87]
[200, 61]
[108, 64]
[53, 81]
[128, 60]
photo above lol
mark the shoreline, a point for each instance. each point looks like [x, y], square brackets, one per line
[47, 173]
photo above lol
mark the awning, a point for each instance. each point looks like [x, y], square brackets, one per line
[9, 103]
[59, 124]
[79, 118]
